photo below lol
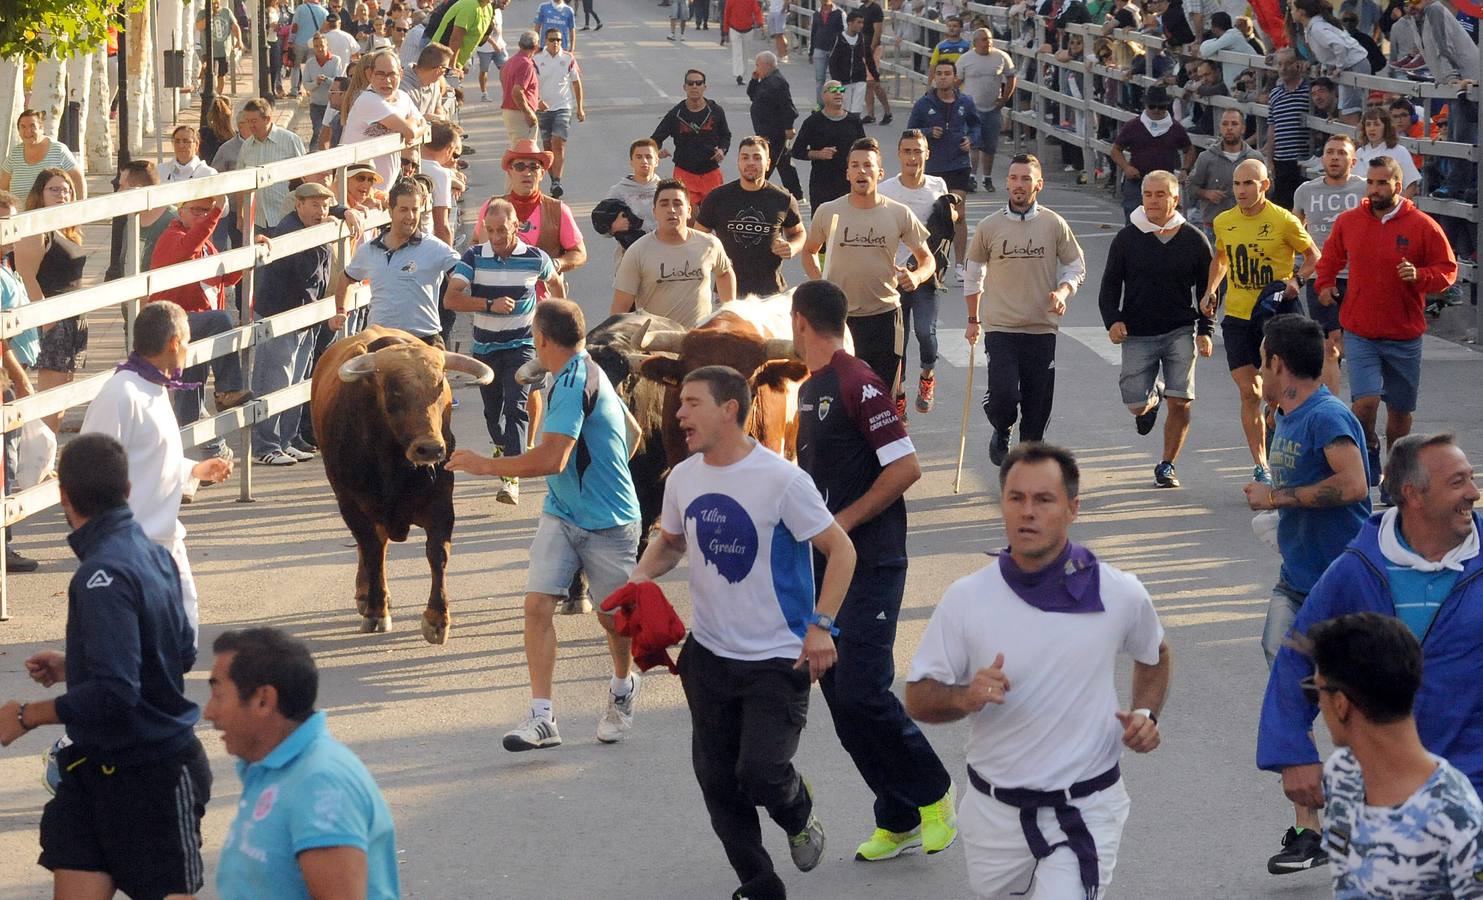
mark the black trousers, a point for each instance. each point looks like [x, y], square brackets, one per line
[889, 750]
[878, 343]
[781, 162]
[1287, 175]
[1022, 381]
[746, 718]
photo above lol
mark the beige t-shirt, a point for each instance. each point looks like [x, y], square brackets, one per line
[673, 280]
[864, 250]
[1024, 260]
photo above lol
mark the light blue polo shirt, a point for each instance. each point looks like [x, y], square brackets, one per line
[595, 490]
[404, 281]
[310, 792]
[27, 345]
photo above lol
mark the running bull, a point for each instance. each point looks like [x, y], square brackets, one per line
[381, 405]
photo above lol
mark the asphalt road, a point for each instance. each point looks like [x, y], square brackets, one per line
[626, 821]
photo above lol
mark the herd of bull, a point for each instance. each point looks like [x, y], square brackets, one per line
[381, 402]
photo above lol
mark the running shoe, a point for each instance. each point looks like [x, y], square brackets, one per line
[989, 184]
[1145, 421]
[807, 846]
[556, 189]
[884, 844]
[763, 887]
[276, 458]
[535, 733]
[1164, 475]
[998, 447]
[886, 119]
[617, 719]
[867, 120]
[1260, 475]
[901, 407]
[509, 491]
[972, 185]
[1301, 849]
[939, 823]
[926, 391]
[297, 454]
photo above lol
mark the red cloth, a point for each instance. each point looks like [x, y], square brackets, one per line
[178, 244]
[644, 614]
[743, 15]
[1378, 305]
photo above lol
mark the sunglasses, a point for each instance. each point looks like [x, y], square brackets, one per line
[525, 165]
[1311, 689]
[557, 40]
[1161, 106]
[401, 31]
[694, 84]
[835, 90]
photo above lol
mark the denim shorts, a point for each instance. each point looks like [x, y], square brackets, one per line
[1147, 360]
[1327, 317]
[777, 22]
[1282, 611]
[554, 123]
[1388, 369]
[560, 548]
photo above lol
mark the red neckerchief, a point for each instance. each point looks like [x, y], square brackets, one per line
[525, 207]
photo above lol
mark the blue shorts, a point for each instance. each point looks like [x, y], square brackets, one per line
[1388, 369]
[491, 59]
[560, 548]
[1167, 358]
[991, 125]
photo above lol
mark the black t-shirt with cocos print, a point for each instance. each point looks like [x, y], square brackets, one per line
[746, 222]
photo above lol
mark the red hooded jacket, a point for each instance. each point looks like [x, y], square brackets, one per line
[178, 244]
[1377, 304]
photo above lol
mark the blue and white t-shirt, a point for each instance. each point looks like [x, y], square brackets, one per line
[309, 793]
[559, 16]
[404, 281]
[595, 490]
[492, 277]
[1425, 847]
[747, 528]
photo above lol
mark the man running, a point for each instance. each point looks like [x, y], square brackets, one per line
[669, 272]
[1025, 649]
[951, 123]
[1256, 243]
[858, 453]
[561, 99]
[757, 221]
[863, 230]
[701, 136]
[1317, 204]
[1025, 263]
[744, 518]
[989, 78]
[1150, 302]
[824, 141]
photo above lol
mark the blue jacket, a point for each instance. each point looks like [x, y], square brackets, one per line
[129, 646]
[958, 118]
[1449, 706]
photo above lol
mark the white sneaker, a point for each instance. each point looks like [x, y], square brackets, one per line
[509, 492]
[535, 733]
[276, 458]
[617, 719]
[297, 454]
[958, 272]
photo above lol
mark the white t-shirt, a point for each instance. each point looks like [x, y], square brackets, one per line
[751, 564]
[364, 122]
[341, 46]
[556, 74]
[918, 200]
[173, 170]
[138, 415]
[1364, 153]
[1056, 726]
[442, 180]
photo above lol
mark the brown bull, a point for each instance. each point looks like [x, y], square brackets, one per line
[381, 406]
[727, 339]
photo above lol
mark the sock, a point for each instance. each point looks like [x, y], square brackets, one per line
[621, 687]
[542, 709]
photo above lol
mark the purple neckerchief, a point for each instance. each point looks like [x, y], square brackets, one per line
[151, 373]
[1070, 584]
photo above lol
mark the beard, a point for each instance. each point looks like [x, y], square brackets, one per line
[1382, 203]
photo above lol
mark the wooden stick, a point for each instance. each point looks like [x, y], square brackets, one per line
[963, 433]
[828, 244]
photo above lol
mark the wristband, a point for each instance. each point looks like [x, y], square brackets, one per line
[1147, 714]
[20, 715]
[824, 622]
[972, 320]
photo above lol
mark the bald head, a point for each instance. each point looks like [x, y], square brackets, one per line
[1250, 184]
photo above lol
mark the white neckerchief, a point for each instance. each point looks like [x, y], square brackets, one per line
[1140, 221]
[1156, 127]
[1025, 216]
[1394, 551]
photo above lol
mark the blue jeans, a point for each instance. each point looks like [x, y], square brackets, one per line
[280, 362]
[1462, 127]
[227, 369]
[821, 74]
[504, 399]
[919, 314]
[1282, 611]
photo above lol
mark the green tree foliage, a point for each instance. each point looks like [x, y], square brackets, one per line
[57, 29]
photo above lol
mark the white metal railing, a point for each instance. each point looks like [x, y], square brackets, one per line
[130, 291]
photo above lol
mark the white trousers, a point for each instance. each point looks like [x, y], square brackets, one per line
[854, 97]
[741, 60]
[999, 859]
[187, 588]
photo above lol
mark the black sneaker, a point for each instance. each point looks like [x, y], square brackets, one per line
[1146, 421]
[972, 185]
[1164, 476]
[867, 120]
[556, 190]
[15, 562]
[998, 447]
[1300, 850]
[886, 119]
[989, 184]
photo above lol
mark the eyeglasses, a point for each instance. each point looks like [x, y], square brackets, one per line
[525, 165]
[689, 83]
[384, 74]
[837, 89]
[1311, 688]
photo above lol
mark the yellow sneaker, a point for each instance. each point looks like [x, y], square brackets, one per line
[939, 824]
[885, 844]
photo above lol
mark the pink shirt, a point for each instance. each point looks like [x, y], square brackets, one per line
[519, 74]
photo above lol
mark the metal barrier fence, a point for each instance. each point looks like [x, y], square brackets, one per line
[1027, 35]
[130, 291]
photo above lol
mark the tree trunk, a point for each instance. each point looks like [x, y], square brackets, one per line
[12, 100]
[47, 95]
[98, 136]
[139, 93]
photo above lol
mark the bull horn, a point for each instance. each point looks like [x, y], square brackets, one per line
[779, 348]
[464, 371]
[530, 373]
[663, 342]
[358, 367]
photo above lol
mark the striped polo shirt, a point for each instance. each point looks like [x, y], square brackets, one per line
[493, 277]
[272, 201]
[1288, 113]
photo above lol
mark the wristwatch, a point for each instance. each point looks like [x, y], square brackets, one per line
[489, 304]
[1147, 714]
[824, 622]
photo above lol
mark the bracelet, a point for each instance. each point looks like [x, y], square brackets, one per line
[20, 715]
[972, 320]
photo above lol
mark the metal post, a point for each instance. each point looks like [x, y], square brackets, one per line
[123, 81]
[244, 315]
[1037, 104]
[132, 266]
[260, 34]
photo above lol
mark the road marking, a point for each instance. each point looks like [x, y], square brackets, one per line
[952, 347]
